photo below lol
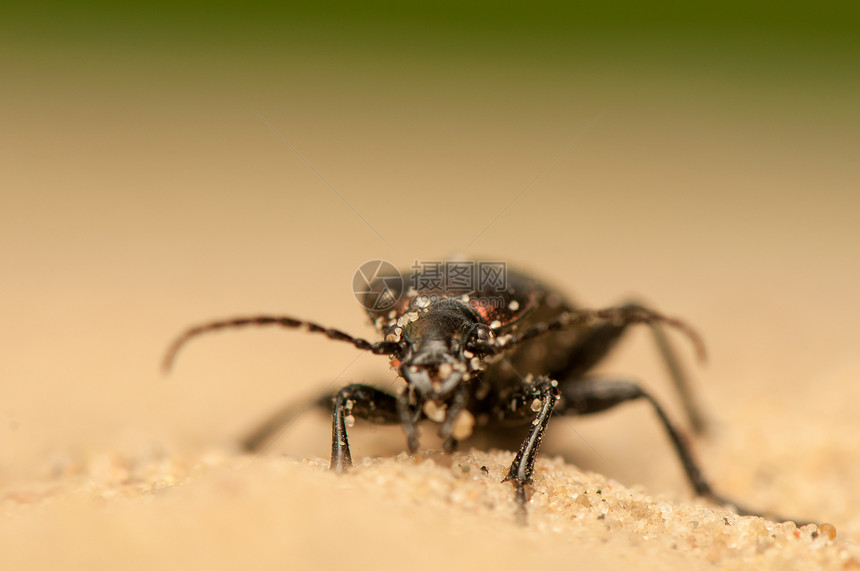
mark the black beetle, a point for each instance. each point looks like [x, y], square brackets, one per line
[486, 360]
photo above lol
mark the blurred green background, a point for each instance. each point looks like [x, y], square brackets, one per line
[821, 35]
[793, 42]
[806, 46]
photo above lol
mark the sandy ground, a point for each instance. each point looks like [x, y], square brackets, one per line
[223, 511]
[142, 201]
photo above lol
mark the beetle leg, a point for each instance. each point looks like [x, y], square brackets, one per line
[455, 407]
[357, 401]
[599, 340]
[539, 396]
[590, 395]
[408, 414]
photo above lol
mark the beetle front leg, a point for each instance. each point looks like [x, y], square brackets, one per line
[357, 401]
[539, 396]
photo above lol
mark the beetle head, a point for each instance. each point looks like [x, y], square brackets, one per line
[436, 353]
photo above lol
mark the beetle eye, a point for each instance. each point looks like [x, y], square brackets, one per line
[483, 333]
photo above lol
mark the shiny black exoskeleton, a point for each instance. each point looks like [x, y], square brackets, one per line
[486, 360]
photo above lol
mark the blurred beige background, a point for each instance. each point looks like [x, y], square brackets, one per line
[145, 190]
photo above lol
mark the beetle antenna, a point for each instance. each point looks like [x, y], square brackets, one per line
[379, 348]
[618, 315]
